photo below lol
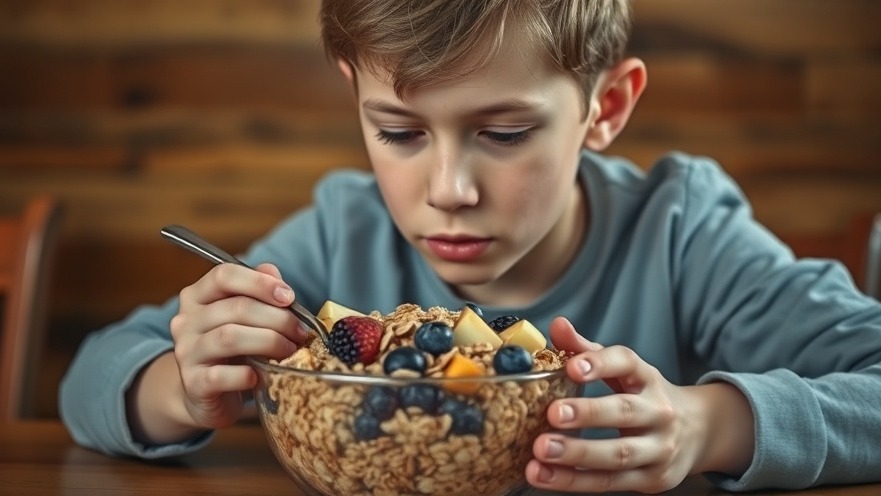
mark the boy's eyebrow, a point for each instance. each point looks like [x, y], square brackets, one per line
[513, 105]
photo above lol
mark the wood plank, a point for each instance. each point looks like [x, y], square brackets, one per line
[755, 148]
[812, 203]
[845, 89]
[179, 126]
[295, 79]
[779, 28]
[126, 23]
[38, 159]
[699, 85]
[235, 161]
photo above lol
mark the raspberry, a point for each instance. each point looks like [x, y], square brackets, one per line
[501, 323]
[356, 339]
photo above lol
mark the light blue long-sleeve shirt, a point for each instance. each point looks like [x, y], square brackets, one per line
[673, 266]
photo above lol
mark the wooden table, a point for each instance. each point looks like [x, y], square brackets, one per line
[39, 458]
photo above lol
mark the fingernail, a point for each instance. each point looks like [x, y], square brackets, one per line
[555, 448]
[545, 474]
[302, 331]
[292, 348]
[583, 366]
[283, 294]
[567, 413]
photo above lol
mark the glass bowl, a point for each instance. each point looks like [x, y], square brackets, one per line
[357, 434]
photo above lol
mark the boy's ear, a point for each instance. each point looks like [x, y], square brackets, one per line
[346, 68]
[615, 95]
[349, 73]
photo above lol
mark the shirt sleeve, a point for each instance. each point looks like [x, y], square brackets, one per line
[92, 392]
[795, 336]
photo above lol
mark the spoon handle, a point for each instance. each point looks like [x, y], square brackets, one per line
[196, 244]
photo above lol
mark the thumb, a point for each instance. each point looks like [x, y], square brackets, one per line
[565, 337]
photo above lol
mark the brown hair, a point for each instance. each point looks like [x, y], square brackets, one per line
[421, 42]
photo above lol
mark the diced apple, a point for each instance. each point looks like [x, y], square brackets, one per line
[471, 329]
[460, 366]
[331, 312]
[523, 333]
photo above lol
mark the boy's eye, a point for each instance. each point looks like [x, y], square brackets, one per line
[508, 139]
[396, 137]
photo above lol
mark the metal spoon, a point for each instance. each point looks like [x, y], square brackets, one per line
[193, 242]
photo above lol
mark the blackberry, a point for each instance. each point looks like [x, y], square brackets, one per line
[367, 427]
[424, 396]
[355, 339]
[381, 402]
[405, 357]
[499, 324]
[434, 337]
[512, 359]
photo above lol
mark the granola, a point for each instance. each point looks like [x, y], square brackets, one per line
[434, 440]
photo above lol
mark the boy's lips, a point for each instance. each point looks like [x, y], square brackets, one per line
[457, 248]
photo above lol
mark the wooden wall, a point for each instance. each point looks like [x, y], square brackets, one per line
[221, 114]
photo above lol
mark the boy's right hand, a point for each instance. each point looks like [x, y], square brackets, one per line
[231, 312]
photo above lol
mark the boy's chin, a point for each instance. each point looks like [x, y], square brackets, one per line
[464, 274]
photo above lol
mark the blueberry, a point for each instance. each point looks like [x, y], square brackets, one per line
[380, 402]
[405, 357]
[473, 306]
[501, 323]
[434, 337]
[424, 396]
[467, 419]
[367, 427]
[512, 359]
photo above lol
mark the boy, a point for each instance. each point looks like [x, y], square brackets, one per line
[483, 122]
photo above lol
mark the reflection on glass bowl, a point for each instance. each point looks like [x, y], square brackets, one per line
[352, 434]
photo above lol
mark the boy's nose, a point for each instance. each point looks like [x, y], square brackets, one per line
[451, 184]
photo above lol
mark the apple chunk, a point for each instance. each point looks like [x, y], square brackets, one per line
[523, 333]
[331, 312]
[471, 329]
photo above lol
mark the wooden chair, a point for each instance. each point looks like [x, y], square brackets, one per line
[27, 245]
[872, 275]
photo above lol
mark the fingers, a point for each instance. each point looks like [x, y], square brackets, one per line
[240, 310]
[230, 340]
[618, 454]
[619, 366]
[211, 382]
[615, 411]
[565, 337]
[576, 480]
[226, 280]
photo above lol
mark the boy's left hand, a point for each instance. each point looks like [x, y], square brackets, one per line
[662, 427]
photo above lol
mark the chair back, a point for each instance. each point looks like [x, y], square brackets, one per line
[872, 282]
[27, 245]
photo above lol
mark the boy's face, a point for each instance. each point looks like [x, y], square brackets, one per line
[480, 175]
